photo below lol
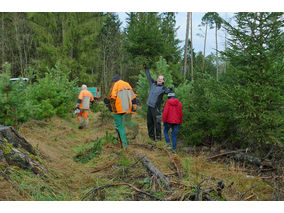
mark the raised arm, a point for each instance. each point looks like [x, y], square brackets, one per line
[150, 79]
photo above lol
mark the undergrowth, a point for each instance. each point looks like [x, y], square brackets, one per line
[85, 153]
[37, 188]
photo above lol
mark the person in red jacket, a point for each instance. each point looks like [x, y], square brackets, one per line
[172, 118]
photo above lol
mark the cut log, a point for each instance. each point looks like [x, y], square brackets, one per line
[18, 152]
[238, 155]
[153, 169]
[247, 158]
[18, 158]
[12, 136]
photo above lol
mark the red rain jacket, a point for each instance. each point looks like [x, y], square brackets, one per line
[172, 112]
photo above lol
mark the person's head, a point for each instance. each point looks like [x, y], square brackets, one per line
[160, 80]
[84, 87]
[171, 94]
[115, 78]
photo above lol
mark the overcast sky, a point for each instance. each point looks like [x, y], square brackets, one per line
[198, 42]
[224, 7]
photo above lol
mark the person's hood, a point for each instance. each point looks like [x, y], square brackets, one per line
[173, 101]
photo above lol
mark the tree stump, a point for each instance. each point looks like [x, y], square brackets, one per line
[15, 150]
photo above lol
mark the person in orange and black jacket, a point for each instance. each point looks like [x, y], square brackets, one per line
[121, 100]
[84, 99]
[172, 118]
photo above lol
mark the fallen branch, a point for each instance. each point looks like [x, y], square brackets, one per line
[269, 177]
[95, 190]
[204, 193]
[249, 197]
[207, 197]
[247, 158]
[7, 177]
[149, 165]
[243, 194]
[226, 153]
[176, 161]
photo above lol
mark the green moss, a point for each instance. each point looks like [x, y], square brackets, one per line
[2, 166]
[7, 148]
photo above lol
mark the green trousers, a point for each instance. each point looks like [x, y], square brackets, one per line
[118, 123]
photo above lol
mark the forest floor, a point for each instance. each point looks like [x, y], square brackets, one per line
[65, 151]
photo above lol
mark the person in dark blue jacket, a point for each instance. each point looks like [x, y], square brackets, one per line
[154, 102]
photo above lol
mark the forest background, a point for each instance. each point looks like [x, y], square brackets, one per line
[232, 97]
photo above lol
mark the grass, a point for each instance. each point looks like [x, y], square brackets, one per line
[70, 179]
[87, 152]
[35, 188]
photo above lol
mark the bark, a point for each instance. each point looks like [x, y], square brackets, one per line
[217, 62]
[238, 155]
[247, 158]
[2, 38]
[191, 50]
[203, 194]
[226, 153]
[13, 137]
[153, 169]
[205, 37]
[18, 42]
[18, 152]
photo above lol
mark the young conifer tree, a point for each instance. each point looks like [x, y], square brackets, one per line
[255, 54]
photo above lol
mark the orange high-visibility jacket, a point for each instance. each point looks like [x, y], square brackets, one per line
[85, 93]
[122, 94]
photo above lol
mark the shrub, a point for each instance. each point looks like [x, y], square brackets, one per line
[53, 94]
[15, 106]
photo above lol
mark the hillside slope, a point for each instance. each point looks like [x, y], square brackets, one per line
[67, 153]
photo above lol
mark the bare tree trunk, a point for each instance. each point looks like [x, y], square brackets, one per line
[18, 43]
[2, 40]
[186, 44]
[217, 64]
[225, 50]
[204, 49]
[191, 51]
[104, 75]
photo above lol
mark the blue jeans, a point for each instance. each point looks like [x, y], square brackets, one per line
[174, 127]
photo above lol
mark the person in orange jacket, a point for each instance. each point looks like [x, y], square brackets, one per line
[84, 99]
[121, 101]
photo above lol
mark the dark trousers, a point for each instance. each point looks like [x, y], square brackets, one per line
[154, 119]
